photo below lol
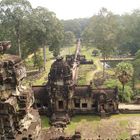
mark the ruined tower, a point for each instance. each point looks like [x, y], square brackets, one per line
[60, 86]
[16, 113]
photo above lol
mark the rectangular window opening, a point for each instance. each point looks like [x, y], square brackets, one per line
[84, 105]
[93, 105]
[77, 105]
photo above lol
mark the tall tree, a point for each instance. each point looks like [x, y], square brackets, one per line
[129, 25]
[44, 30]
[13, 14]
[101, 32]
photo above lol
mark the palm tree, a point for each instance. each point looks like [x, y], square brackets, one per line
[124, 72]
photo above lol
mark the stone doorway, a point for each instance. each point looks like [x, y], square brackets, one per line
[60, 104]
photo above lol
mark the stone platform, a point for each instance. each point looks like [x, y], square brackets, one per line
[129, 108]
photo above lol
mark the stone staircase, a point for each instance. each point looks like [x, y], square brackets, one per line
[60, 119]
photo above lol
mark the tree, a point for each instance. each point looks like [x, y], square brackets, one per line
[29, 29]
[56, 52]
[52, 32]
[37, 35]
[125, 95]
[44, 30]
[128, 38]
[101, 32]
[76, 26]
[13, 14]
[56, 36]
[69, 38]
[38, 61]
[124, 72]
[95, 52]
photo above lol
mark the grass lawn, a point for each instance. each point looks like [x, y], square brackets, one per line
[81, 121]
[44, 75]
[116, 126]
[85, 74]
[123, 135]
[45, 121]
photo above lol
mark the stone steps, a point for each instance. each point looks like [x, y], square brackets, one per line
[60, 119]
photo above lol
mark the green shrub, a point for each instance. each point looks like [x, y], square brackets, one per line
[124, 96]
[38, 61]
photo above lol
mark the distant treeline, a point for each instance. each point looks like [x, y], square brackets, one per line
[117, 34]
[30, 28]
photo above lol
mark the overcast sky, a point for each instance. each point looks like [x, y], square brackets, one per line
[69, 9]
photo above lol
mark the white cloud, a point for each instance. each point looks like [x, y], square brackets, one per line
[68, 9]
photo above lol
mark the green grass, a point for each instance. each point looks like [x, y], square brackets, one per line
[45, 121]
[43, 77]
[82, 120]
[123, 135]
[85, 74]
[123, 123]
[29, 59]
[87, 51]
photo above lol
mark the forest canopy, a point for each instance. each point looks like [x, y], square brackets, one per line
[31, 28]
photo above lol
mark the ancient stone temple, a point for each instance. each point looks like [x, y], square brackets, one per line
[18, 120]
[61, 98]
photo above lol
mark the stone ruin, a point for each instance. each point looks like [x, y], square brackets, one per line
[18, 120]
[61, 98]
[135, 137]
[80, 58]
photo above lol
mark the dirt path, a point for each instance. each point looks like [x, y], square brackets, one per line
[98, 68]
